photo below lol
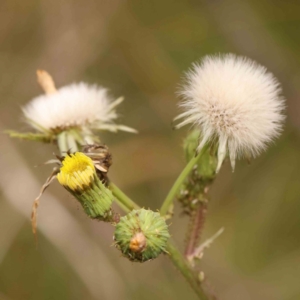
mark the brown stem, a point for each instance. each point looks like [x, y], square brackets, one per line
[195, 229]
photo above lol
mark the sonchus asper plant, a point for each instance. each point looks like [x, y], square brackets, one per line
[233, 103]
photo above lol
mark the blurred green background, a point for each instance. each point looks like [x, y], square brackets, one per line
[140, 49]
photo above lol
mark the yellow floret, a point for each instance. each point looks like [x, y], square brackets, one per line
[77, 171]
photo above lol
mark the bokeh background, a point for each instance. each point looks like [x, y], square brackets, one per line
[140, 49]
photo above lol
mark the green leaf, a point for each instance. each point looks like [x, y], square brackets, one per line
[30, 136]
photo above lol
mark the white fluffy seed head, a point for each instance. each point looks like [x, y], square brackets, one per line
[235, 101]
[75, 105]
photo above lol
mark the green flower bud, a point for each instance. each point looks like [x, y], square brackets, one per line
[79, 177]
[141, 235]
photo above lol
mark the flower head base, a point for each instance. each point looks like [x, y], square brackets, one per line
[234, 101]
[208, 162]
[194, 190]
[79, 177]
[141, 235]
[70, 115]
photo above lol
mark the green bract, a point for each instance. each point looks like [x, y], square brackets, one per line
[208, 162]
[141, 235]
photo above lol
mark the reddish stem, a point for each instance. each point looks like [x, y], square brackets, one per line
[195, 229]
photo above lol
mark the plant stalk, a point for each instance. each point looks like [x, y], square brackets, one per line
[123, 200]
[197, 221]
[179, 181]
[184, 267]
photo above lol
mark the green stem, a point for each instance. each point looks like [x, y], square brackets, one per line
[62, 143]
[179, 181]
[176, 257]
[183, 266]
[124, 201]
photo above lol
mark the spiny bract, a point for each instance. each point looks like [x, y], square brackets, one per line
[141, 235]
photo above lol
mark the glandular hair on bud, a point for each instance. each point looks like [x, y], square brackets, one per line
[141, 235]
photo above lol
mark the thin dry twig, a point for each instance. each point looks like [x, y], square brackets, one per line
[36, 202]
[198, 252]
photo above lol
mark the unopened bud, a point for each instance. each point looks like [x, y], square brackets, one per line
[141, 235]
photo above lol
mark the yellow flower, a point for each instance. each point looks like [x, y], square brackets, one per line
[78, 175]
[77, 172]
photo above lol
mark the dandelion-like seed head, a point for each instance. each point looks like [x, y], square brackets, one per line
[234, 101]
[70, 116]
[73, 106]
[77, 172]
